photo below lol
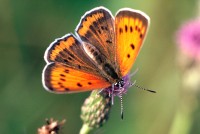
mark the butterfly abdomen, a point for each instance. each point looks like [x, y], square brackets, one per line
[110, 71]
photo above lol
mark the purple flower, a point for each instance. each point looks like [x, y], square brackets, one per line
[188, 38]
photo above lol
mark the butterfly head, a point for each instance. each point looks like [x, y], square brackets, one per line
[120, 87]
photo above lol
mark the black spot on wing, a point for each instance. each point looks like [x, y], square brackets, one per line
[62, 79]
[92, 29]
[89, 83]
[67, 89]
[132, 46]
[62, 75]
[104, 28]
[60, 84]
[109, 41]
[131, 29]
[120, 30]
[99, 31]
[141, 35]
[126, 28]
[66, 71]
[65, 60]
[79, 84]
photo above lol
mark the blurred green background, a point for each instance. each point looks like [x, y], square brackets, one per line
[28, 27]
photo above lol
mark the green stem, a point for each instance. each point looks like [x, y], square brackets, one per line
[85, 129]
[183, 118]
[182, 123]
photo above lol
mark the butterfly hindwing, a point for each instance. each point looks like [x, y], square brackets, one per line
[130, 30]
[60, 78]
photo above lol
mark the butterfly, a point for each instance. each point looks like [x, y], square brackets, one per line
[99, 56]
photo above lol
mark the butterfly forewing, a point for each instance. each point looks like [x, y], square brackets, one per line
[97, 28]
[130, 30]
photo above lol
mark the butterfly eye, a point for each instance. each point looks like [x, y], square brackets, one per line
[120, 83]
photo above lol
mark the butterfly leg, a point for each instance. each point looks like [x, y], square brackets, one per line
[113, 88]
[100, 90]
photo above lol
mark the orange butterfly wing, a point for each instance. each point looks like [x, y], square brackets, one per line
[62, 79]
[97, 28]
[130, 30]
[69, 69]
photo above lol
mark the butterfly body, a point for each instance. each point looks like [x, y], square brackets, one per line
[101, 54]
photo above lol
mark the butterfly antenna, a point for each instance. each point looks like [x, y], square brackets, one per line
[121, 101]
[146, 89]
[122, 109]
